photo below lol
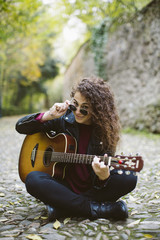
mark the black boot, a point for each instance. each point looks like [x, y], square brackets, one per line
[52, 213]
[109, 210]
[55, 213]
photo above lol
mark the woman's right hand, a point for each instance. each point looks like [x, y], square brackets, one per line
[56, 111]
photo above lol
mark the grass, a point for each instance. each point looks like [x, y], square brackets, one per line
[141, 133]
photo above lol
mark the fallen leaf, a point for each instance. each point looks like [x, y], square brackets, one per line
[66, 220]
[132, 224]
[12, 233]
[3, 219]
[11, 212]
[56, 224]
[156, 196]
[44, 218]
[36, 218]
[2, 194]
[132, 199]
[134, 212]
[158, 173]
[33, 237]
[18, 186]
[147, 235]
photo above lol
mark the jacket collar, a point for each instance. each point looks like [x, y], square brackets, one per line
[69, 117]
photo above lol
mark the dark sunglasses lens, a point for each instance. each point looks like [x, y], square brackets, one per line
[84, 112]
[72, 107]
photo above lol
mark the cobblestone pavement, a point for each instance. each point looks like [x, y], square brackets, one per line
[23, 217]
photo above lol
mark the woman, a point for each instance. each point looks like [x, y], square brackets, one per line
[90, 191]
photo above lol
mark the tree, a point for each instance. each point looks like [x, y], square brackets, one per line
[48, 70]
[25, 29]
[92, 12]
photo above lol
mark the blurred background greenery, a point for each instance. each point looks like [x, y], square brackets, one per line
[39, 38]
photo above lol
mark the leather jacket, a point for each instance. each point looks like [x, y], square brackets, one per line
[65, 124]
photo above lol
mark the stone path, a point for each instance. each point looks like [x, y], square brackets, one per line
[23, 217]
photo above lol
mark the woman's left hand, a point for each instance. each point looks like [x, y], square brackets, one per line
[100, 169]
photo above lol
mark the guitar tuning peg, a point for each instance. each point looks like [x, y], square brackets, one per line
[127, 172]
[137, 154]
[120, 172]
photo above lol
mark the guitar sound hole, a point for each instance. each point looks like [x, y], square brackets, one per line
[47, 156]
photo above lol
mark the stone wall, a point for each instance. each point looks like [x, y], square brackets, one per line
[81, 65]
[132, 57]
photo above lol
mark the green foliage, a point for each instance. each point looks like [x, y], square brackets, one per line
[117, 12]
[17, 16]
[55, 90]
[92, 12]
[141, 133]
[29, 88]
[97, 44]
[101, 17]
[26, 32]
[48, 69]
[28, 29]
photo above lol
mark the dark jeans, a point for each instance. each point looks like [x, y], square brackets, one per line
[56, 193]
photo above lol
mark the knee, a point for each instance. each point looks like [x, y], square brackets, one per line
[33, 180]
[125, 182]
[30, 180]
[32, 176]
[131, 182]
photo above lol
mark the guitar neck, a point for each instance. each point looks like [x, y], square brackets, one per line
[76, 158]
[131, 163]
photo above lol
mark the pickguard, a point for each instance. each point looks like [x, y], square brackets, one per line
[33, 155]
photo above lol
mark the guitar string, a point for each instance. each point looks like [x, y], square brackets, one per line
[49, 153]
[79, 158]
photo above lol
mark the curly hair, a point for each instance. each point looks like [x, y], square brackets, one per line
[103, 110]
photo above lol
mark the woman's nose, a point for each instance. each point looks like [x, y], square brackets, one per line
[78, 110]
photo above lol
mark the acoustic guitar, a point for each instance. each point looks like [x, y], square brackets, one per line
[39, 152]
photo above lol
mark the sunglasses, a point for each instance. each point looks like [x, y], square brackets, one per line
[82, 111]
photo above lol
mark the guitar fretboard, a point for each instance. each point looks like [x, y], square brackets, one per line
[118, 162]
[76, 158]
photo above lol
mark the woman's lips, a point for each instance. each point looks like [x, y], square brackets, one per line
[78, 116]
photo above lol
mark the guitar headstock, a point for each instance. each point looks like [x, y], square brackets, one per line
[130, 163]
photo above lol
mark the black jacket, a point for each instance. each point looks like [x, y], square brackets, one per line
[65, 124]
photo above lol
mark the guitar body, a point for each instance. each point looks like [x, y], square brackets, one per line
[37, 150]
